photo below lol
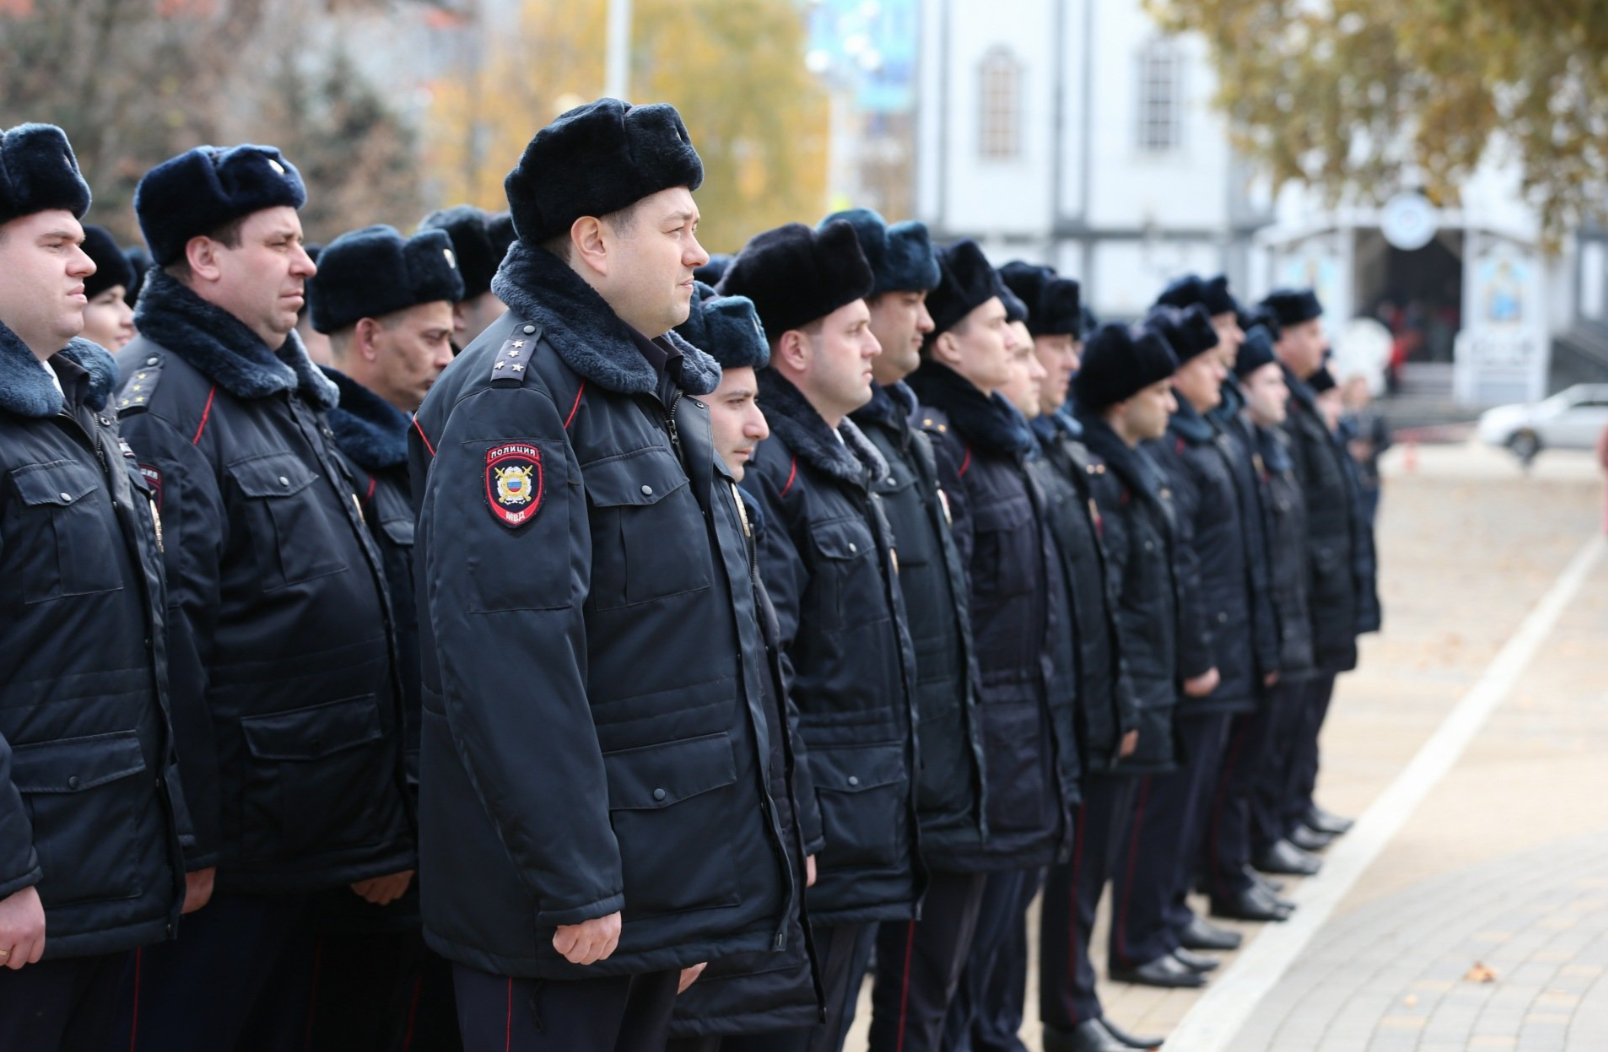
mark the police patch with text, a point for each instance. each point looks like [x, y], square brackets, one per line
[514, 482]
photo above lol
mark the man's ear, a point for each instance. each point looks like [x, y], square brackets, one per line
[366, 339]
[793, 351]
[201, 253]
[946, 349]
[588, 245]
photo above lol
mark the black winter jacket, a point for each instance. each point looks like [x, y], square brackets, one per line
[1020, 622]
[826, 558]
[1364, 558]
[1244, 462]
[1321, 469]
[949, 794]
[1214, 579]
[1136, 515]
[594, 735]
[281, 650]
[90, 809]
[764, 991]
[1287, 551]
[1106, 707]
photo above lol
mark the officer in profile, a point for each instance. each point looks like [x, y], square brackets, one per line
[385, 303]
[287, 702]
[91, 818]
[594, 803]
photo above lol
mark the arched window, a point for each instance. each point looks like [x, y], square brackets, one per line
[1161, 69]
[999, 106]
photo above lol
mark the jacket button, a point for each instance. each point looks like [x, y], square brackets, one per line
[529, 329]
[647, 490]
[151, 360]
[1222, 618]
[66, 498]
[72, 783]
[1150, 546]
[854, 779]
[283, 481]
[853, 547]
[659, 794]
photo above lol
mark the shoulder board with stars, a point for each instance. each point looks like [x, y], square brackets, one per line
[513, 357]
[137, 392]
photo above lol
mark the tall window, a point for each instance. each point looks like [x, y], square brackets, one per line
[999, 97]
[1160, 97]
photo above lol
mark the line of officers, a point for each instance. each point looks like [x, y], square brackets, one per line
[632, 677]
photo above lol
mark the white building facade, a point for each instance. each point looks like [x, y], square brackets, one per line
[1076, 133]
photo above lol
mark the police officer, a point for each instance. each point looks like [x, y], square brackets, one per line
[920, 960]
[1016, 603]
[1236, 890]
[594, 797]
[477, 254]
[1124, 397]
[1332, 590]
[386, 304]
[90, 814]
[827, 560]
[1069, 1003]
[281, 643]
[1216, 628]
[729, 1004]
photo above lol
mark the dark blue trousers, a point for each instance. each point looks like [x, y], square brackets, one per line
[919, 965]
[1317, 691]
[1228, 823]
[618, 1013]
[62, 1004]
[1072, 893]
[986, 1011]
[238, 978]
[1286, 712]
[1162, 845]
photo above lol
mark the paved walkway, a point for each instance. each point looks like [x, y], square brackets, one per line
[1483, 921]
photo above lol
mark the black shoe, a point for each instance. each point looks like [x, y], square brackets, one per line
[1196, 962]
[1128, 1040]
[1200, 934]
[1285, 857]
[1308, 839]
[1273, 884]
[1252, 904]
[1087, 1036]
[1327, 821]
[1165, 971]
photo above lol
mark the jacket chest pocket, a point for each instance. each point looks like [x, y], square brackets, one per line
[909, 518]
[1005, 539]
[312, 777]
[85, 814]
[65, 531]
[843, 559]
[649, 537]
[291, 532]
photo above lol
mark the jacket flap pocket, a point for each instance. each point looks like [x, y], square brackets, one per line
[59, 482]
[400, 531]
[655, 776]
[72, 765]
[644, 477]
[842, 539]
[314, 733]
[274, 475]
[856, 768]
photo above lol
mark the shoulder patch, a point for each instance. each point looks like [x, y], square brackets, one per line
[513, 357]
[139, 387]
[514, 482]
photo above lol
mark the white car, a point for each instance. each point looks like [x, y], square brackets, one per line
[1571, 419]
